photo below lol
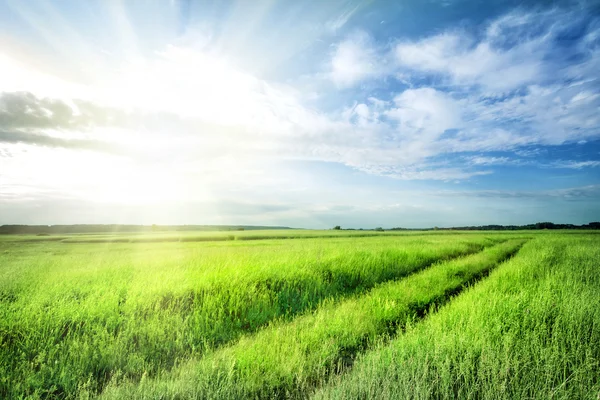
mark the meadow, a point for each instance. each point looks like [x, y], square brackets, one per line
[300, 314]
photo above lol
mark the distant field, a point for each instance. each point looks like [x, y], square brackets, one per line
[338, 314]
[212, 236]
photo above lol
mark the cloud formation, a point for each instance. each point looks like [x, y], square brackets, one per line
[494, 90]
[448, 107]
[571, 194]
[24, 110]
[493, 93]
[356, 59]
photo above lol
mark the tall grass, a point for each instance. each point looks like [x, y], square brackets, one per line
[289, 359]
[73, 316]
[532, 330]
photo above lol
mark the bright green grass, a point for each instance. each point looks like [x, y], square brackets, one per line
[289, 317]
[531, 330]
[74, 315]
[288, 359]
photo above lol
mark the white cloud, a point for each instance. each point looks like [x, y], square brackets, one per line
[355, 59]
[585, 96]
[431, 54]
[422, 171]
[513, 51]
[482, 160]
[466, 61]
[575, 164]
[573, 193]
[425, 113]
[509, 22]
[338, 22]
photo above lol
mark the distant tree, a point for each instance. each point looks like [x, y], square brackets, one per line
[379, 229]
[544, 225]
[337, 227]
[154, 228]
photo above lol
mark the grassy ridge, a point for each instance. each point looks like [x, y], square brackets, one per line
[288, 359]
[532, 330]
[74, 315]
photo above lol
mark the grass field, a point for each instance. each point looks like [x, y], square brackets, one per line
[337, 314]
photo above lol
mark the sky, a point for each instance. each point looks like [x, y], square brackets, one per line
[307, 114]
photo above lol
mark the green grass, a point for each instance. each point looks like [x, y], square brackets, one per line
[532, 330]
[287, 359]
[383, 316]
[75, 313]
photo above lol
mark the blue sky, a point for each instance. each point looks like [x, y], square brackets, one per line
[307, 114]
